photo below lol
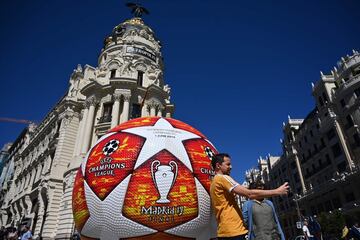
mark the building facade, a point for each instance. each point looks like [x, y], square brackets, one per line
[328, 142]
[4, 155]
[127, 83]
[320, 158]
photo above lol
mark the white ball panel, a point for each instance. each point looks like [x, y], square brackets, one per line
[106, 220]
[199, 227]
[92, 228]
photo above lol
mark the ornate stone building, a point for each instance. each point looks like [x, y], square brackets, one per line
[127, 83]
[321, 153]
[262, 170]
[4, 154]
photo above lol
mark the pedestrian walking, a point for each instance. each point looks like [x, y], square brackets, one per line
[306, 231]
[355, 231]
[345, 233]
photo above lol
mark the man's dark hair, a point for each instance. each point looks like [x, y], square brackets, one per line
[218, 158]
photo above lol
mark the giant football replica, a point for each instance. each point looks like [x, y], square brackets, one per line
[148, 178]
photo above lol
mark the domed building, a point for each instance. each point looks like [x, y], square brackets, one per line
[127, 83]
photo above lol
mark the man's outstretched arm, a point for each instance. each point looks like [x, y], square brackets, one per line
[257, 193]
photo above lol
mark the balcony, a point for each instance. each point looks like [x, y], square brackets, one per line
[104, 119]
[347, 86]
[103, 125]
[342, 179]
[349, 62]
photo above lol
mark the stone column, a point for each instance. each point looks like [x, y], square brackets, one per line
[152, 109]
[16, 213]
[298, 165]
[342, 139]
[13, 214]
[343, 144]
[115, 110]
[65, 217]
[89, 125]
[126, 108]
[3, 217]
[28, 204]
[160, 109]
[84, 120]
[45, 169]
[54, 194]
[40, 214]
[21, 208]
[79, 135]
[144, 111]
[33, 174]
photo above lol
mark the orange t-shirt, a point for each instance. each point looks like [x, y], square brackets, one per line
[228, 214]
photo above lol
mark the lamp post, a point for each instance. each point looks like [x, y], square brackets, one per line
[296, 199]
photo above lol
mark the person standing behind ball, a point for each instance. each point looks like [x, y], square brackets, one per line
[260, 217]
[27, 234]
[230, 224]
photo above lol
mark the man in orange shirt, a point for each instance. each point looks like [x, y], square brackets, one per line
[222, 191]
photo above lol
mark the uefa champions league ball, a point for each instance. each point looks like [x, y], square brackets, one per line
[148, 178]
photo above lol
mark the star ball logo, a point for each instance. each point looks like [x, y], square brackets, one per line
[110, 147]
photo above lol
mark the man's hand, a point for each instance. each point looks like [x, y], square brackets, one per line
[283, 189]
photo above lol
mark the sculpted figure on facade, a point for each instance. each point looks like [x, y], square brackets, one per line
[28, 204]
[14, 213]
[155, 75]
[144, 34]
[91, 101]
[74, 81]
[130, 33]
[66, 116]
[108, 40]
[69, 180]
[167, 89]
[73, 87]
[140, 66]
[140, 99]
[127, 65]
[101, 73]
[20, 205]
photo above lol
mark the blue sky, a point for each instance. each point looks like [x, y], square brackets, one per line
[236, 68]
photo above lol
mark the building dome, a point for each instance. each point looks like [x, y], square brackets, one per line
[132, 46]
[133, 26]
[133, 30]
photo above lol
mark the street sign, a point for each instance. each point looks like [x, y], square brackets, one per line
[298, 225]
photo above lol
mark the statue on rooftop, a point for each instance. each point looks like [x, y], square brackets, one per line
[137, 9]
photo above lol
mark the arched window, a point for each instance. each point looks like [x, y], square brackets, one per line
[140, 78]
[113, 73]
